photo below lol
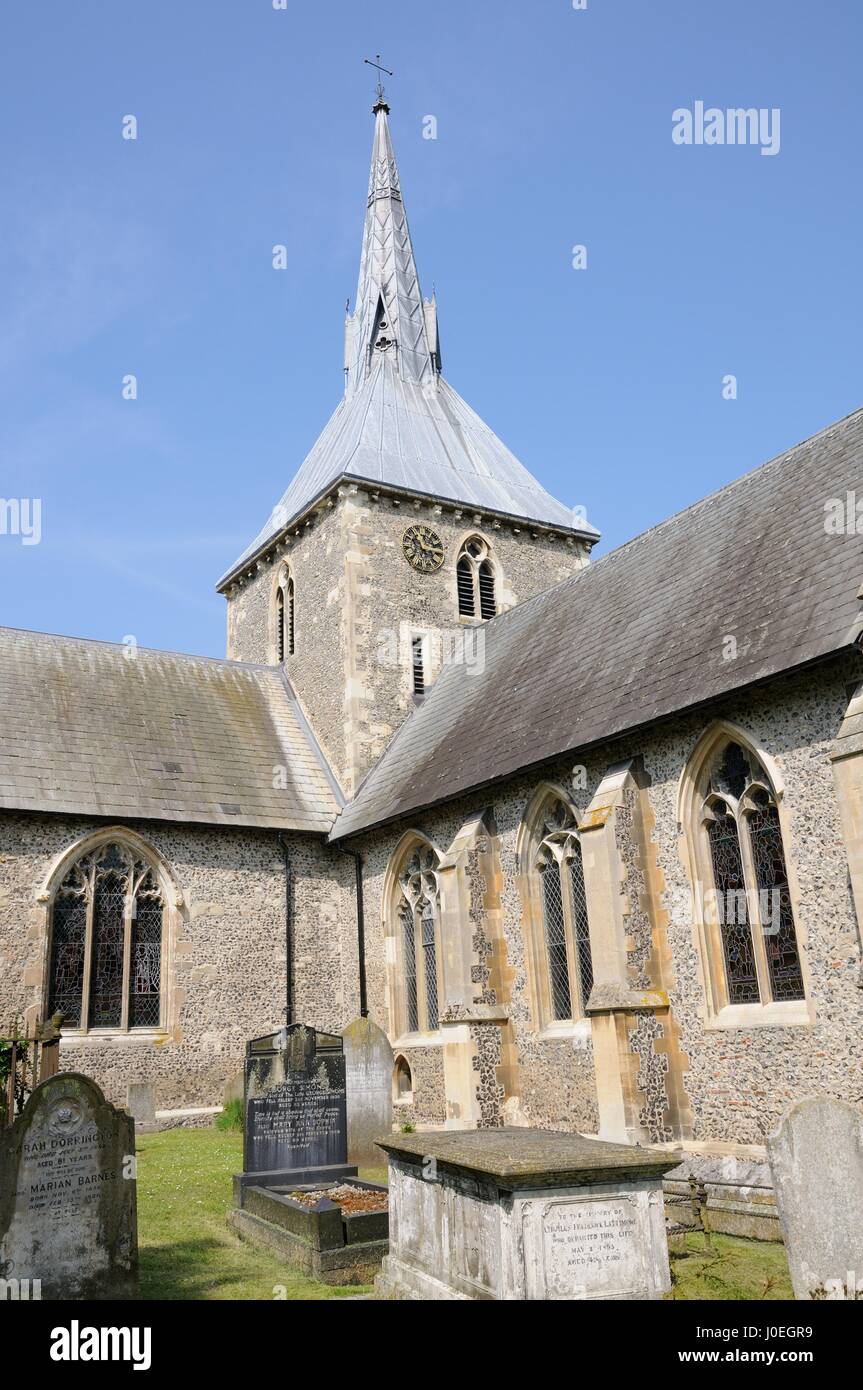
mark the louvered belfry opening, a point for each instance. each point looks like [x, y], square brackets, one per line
[285, 644]
[475, 579]
[464, 577]
[418, 667]
[487, 604]
[280, 624]
[289, 616]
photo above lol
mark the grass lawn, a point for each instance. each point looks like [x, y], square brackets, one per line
[186, 1248]
[188, 1252]
[733, 1269]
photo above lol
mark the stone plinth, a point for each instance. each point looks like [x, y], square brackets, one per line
[524, 1214]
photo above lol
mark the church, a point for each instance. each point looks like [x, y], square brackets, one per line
[583, 837]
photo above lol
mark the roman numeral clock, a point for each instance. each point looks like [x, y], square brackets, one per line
[423, 549]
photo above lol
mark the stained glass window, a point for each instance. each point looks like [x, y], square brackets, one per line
[106, 943]
[780, 937]
[67, 955]
[581, 932]
[566, 930]
[410, 970]
[733, 911]
[427, 926]
[754, 910]
[420, 913]
[555, 941]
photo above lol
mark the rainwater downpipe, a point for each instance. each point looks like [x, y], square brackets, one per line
[361, 926]
[289, 932]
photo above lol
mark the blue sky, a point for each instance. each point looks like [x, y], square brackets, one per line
[154, 257]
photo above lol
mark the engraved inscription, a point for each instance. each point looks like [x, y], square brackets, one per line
[591, 1247]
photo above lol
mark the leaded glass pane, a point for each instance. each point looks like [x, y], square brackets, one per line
[410, 968]
[555, 940]
[106, 981]
[733, 911]
[430, 966]
[68, 938]
[780, 937]
[146, 957]
[583, 959]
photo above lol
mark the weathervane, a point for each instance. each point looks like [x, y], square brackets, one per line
[380, 87]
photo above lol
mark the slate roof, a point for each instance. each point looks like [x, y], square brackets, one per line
[639, 634]
[85, 730]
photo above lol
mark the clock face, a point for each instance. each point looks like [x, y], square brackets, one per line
[423, 548]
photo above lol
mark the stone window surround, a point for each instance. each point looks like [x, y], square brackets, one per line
[718, 1013]
[282, 576]
[504, 595]
[530, 837]
[393, 898]
[172, 900]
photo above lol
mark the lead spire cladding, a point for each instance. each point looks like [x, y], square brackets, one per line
[390, 316]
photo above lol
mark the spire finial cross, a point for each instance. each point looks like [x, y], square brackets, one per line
[380, 86]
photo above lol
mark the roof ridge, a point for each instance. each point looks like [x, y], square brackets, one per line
[775, 461]
[146, 651]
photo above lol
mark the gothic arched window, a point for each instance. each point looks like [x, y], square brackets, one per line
[107, 917]
[475, 580]
[557, 915]
[284, 616]
[418, 937]
[743, 895]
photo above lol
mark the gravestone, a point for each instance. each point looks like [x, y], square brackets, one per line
[141, 1102]
[67, 1193]
[295, 1106]
[369, 1079]
[816, 1157]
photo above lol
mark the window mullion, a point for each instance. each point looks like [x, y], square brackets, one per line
[576, 1001]
[88, 957]
[753, 908]
[127, 958]
[419, 955]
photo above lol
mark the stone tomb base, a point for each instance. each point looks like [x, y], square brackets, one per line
[524, 1214]
[322, 1241]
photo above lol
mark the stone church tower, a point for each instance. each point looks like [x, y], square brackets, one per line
[408, 523]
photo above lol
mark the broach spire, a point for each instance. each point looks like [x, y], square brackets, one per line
[390, 321]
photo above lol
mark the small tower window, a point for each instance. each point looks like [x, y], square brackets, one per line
[418, 666]
[475, 581]
[284, 616]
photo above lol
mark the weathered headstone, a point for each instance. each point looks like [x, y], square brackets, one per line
[816, 1157]
[369, 1081]
[141, 1102]
[296, 1115]
[67, 1194]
